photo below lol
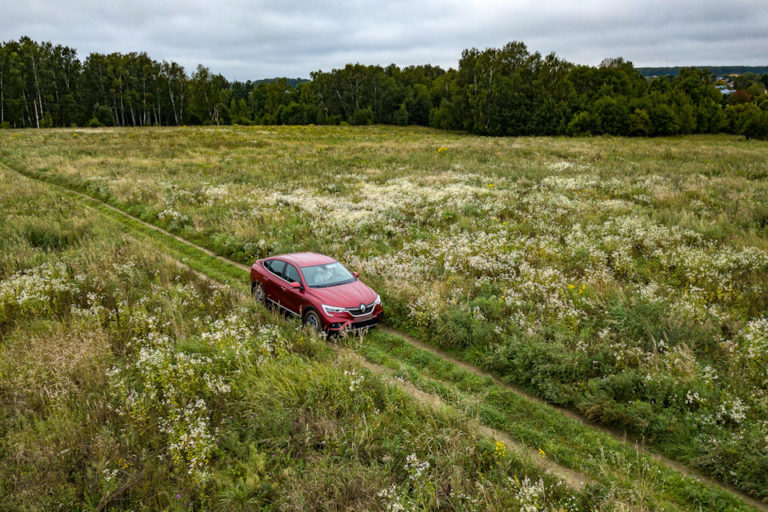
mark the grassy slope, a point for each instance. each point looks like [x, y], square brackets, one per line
[684, 173]
[128, 382]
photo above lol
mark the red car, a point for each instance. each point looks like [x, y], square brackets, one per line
[317, 289]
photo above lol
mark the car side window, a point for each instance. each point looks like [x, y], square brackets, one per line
[276, 266]
[291, 274]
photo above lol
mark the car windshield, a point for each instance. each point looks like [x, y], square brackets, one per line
[330, 274]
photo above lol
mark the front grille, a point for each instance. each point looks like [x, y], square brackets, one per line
[356, 311]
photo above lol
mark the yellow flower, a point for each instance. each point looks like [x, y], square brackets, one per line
[541, 453]
[442, 149]
[491, 185]
[500, 451]
[571, 287]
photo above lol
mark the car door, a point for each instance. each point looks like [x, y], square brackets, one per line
[294, 297]
[274, 278]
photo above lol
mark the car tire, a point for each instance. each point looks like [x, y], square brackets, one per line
[257, 291]
[312, 320]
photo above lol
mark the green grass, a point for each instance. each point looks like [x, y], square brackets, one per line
[616, 467]
[624, 279]
[129, 383]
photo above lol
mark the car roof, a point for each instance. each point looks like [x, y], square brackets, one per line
[305, 259]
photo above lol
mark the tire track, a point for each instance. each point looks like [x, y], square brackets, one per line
[572, 478]
[476, 370]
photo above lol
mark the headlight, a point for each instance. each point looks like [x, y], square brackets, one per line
[378, 300]
[333, 309]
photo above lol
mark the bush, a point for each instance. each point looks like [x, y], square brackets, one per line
[756, 126]
[363, 116]
[294, 113]
[401, 116]
[104, 115]
[664, 119]
[47, 121]
[640, 123]
[582, 123]
[611, 115]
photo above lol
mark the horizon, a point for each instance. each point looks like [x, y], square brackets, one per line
[190, 69]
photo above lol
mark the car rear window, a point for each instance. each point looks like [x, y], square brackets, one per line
[275, 266]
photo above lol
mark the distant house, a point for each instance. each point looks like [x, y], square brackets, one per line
[724, 89]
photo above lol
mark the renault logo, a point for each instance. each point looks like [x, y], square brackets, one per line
[362, 308]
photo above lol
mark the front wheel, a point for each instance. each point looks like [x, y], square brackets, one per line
[312, 320]
[257, 290]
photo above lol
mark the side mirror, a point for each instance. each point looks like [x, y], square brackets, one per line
[296, 285]
[355, 274]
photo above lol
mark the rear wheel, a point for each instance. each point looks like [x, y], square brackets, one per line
[257, 291]
[312, 320]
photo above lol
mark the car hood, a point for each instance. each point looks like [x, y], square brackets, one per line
[349, 295]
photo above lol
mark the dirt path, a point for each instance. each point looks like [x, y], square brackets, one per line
[677, 466]
[571, 478]
[673, 464]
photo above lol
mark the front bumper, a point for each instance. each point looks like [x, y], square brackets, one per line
[346, 325]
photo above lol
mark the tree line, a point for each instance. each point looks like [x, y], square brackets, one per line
[496, 91]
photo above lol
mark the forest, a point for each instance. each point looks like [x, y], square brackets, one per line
[496, 91]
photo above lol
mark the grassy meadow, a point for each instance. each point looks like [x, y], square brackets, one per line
[625, 279]
[128, 382]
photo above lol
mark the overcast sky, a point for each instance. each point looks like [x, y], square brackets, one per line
[259, 39]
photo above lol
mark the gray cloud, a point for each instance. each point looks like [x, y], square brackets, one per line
[256, 39]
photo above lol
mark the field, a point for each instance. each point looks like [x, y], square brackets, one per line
[130, 383]
[624, 280]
